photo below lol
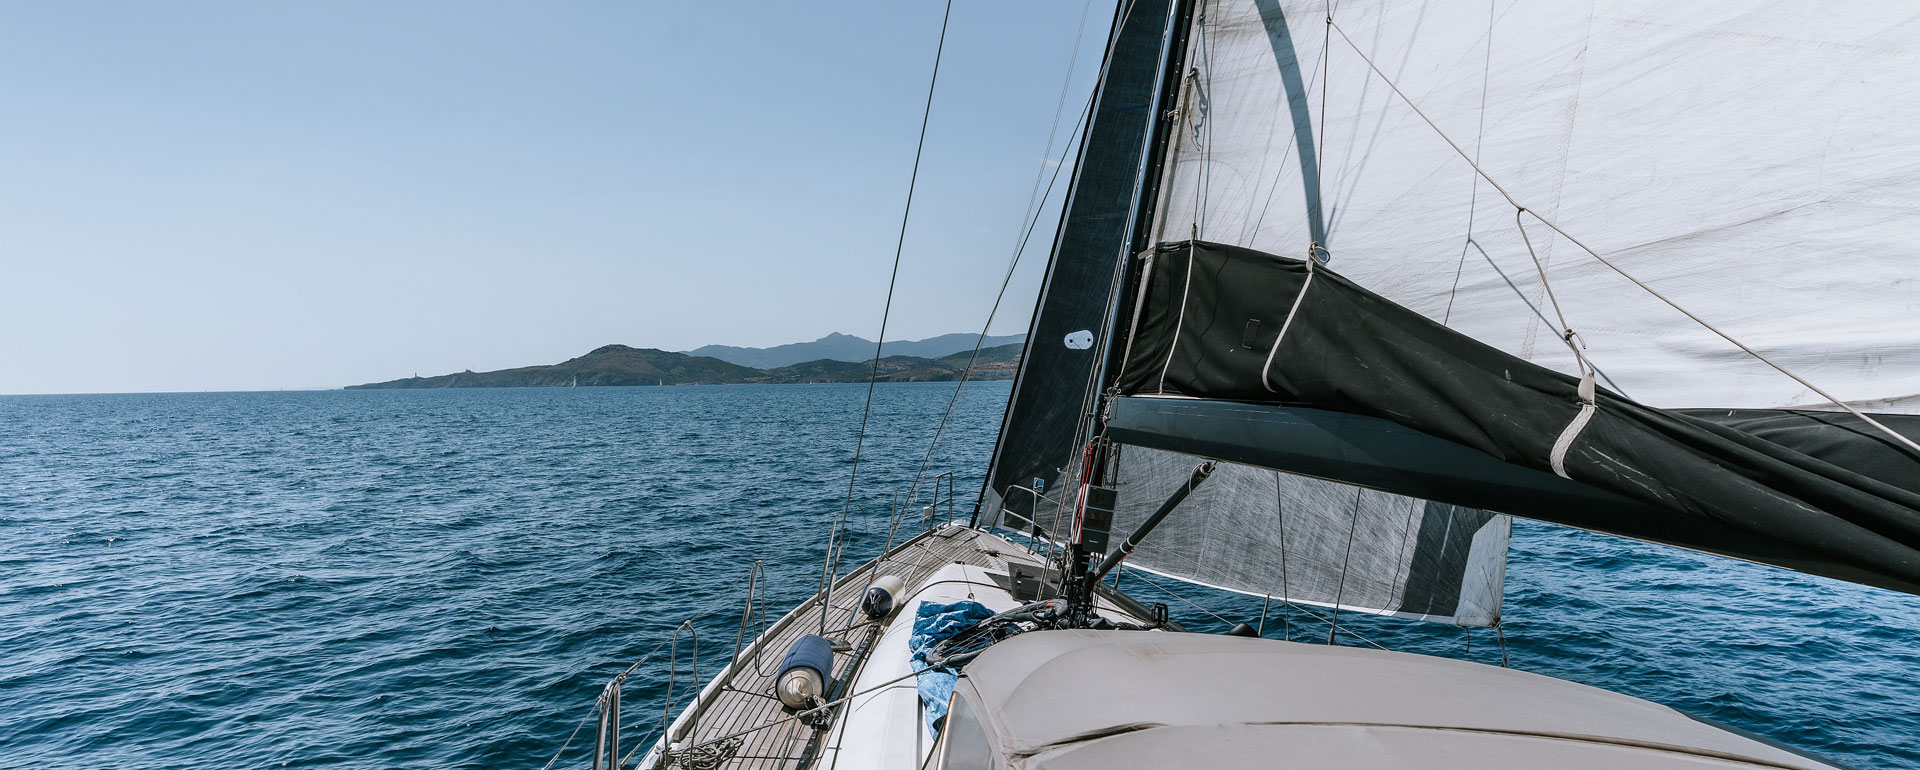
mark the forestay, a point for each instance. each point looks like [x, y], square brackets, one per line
[1046, 414]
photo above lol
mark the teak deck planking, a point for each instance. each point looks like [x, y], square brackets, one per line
[747, 700]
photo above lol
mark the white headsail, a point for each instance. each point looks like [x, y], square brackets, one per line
[1753, 161]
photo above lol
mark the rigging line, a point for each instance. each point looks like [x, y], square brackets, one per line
[1345, 561]
[1524, 299]
[1086, 125]
[563, 746]
[1190, 602]
[1286, 594]
[1404, 572]
[1199, 94]
[1032, 217]
[1285, 602]
[1566, 331]
[1479, 138]
[893, 279]
[1248, 235]
[1348, 631]
[1320, 142]
[1909, 443]
[1066, 84]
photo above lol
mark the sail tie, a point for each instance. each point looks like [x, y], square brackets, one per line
[1315, 256]
[1557, 458]
[1588, 405]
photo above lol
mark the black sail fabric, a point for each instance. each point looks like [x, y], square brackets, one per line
[1815, 492]
[1037, 438]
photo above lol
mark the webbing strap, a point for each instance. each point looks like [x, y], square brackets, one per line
[1284, 325]
[1558, 459]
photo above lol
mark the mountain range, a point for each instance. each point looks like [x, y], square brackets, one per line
[846, 347]
[622, 365]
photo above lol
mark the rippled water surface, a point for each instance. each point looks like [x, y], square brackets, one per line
[411, 578]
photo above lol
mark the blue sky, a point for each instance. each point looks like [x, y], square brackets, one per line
[244, 195]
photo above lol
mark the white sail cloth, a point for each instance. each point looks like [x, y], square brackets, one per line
[1757, 162]
[1294, 538]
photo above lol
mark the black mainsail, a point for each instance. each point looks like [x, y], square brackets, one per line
[1045, 418]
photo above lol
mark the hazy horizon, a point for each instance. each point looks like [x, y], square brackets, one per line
[688, 351]
[235, 197]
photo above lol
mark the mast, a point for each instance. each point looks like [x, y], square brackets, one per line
[1042, 429]
[1146, 193]
[1080, 577]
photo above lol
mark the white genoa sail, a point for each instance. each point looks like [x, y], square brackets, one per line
[1294, 538]
[1714, 150]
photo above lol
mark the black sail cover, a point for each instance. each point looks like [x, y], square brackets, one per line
[1813, 491]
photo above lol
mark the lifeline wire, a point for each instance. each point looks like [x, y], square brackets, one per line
[887, 311]
[1036, 204]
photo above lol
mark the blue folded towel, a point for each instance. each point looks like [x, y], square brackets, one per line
[931, 623]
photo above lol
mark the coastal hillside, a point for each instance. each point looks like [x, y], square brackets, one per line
[848, 348]
[621, 365]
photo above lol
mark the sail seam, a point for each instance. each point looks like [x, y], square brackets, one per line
[1265, 379]
[1565, 442]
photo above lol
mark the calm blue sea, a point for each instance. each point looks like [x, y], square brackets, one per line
[376, 579]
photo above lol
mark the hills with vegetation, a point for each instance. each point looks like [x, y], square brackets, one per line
[622, 365]
[846, 347]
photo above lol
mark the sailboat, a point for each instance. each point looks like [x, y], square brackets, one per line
[1337, 290]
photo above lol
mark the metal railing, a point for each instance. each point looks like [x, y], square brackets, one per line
[749, 639]
[927, 511]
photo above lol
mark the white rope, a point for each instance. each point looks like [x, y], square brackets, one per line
[1558, 459]
[1909, 443]
[1179, 321]
[1284, 325]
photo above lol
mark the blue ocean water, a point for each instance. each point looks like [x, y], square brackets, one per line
[375, 579]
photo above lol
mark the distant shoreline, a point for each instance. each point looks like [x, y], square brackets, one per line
[354, 388]
[619, 365]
